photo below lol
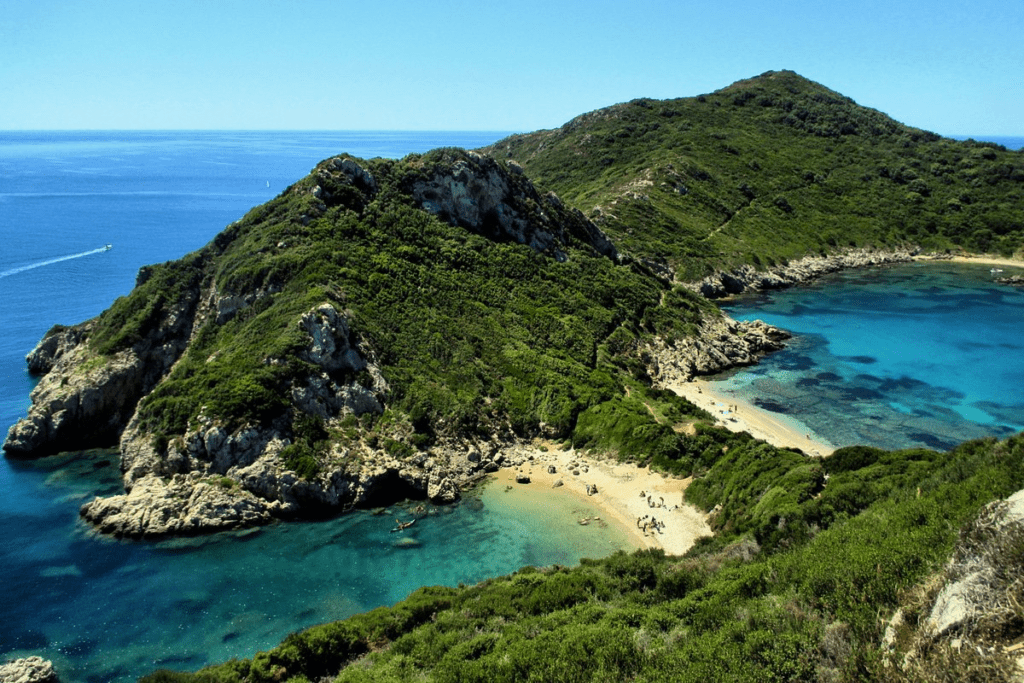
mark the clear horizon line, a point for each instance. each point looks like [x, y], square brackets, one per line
[978, 137]
[261, 130]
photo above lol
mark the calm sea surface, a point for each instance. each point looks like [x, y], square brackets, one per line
[110, 611]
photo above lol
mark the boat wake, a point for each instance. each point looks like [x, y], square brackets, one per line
[47, 262]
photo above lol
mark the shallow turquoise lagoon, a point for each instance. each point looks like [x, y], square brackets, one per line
[923, 354]
[107, 610]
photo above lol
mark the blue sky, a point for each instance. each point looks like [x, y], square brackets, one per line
[949, 67]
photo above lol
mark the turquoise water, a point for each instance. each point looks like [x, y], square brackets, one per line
[107, 610]
[924, 354]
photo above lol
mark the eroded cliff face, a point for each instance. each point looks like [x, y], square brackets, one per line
[721, 343]
[85, 398]
[499, 202]
[212, 477]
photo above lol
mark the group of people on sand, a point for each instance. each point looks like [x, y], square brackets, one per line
[649, 523]
[650, 500]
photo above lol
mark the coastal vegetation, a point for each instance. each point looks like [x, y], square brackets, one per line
[400, 311]
[472, 334]
[797, 584]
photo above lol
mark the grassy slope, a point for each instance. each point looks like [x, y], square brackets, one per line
[770, 169]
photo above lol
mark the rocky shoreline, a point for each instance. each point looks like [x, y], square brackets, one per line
[211, 480]
[28, 670]
[722, 343]
[747, 278]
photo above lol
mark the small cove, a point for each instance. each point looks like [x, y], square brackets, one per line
[920, 354]
[114, 610]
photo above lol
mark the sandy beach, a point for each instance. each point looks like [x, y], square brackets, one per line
[739, 415]
[618, 497]
[628, 495]
[986, 260]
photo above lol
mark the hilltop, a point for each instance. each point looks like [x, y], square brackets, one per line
[771, 169]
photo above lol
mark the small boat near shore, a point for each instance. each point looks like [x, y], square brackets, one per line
[402, 526]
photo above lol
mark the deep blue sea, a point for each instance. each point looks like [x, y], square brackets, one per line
[104, 610]
[1013, 142]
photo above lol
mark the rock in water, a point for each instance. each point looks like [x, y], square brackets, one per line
[183, 505]
[28, 670]
[442, 490]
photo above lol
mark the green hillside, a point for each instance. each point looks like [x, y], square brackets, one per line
[797, 586]
[509, 322]
[772, 168]
[381, 321]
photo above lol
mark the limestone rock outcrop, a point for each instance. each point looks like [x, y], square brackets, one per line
[168, 486]
[28, 670]
[721, 343]
[978, 586]
[85, 399]
[747, 278]
[333, 349]
[499, 202]
[184, 504]
[52, 347]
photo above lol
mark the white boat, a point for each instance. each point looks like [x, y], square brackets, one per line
[996, 270]
[109, 247]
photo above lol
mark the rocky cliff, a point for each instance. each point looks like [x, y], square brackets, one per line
[86, 397]
[721, 343]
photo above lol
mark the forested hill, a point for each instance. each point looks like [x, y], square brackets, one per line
[768, 169]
